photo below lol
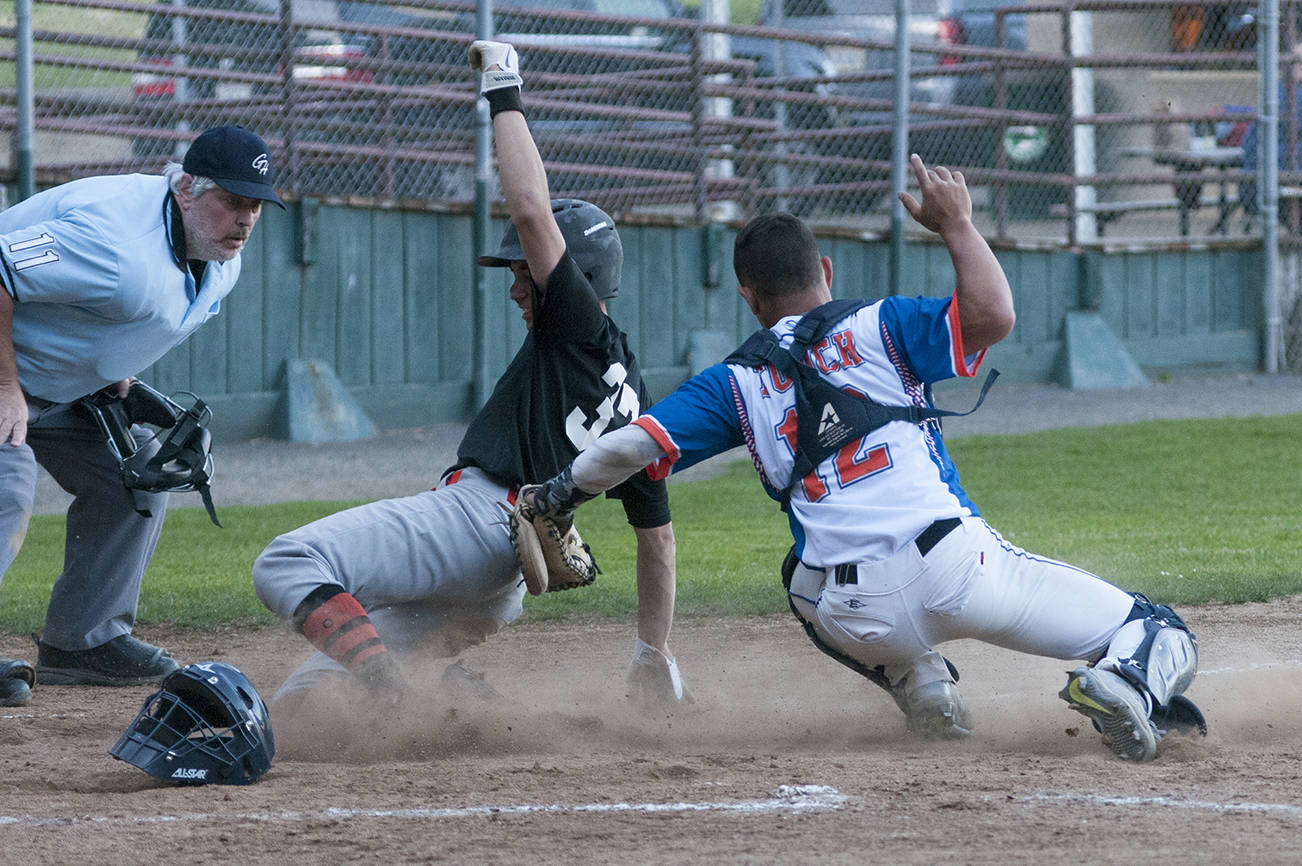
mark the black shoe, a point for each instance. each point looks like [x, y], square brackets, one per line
[123, 661]
[461, 682]
[16, 681]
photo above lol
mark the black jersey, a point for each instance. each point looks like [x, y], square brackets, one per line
[573, 379]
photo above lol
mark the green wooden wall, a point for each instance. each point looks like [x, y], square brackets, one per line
[386, 298]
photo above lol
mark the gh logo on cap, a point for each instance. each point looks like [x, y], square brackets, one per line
[236, 159]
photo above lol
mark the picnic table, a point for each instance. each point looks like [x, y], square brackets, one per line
[1190, 171]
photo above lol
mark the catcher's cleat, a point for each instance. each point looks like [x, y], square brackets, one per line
[937, 711]
[123, 661]
[1116, 708]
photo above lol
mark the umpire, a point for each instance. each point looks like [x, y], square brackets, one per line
[102, 277]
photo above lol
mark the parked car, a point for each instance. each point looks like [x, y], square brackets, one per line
[356, 132]
[643, 62]
[940, 131]
[211, 61]
[1213, 27]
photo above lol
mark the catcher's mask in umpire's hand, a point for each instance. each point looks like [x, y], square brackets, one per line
[206, 725]
[590, 236]
[183, 461]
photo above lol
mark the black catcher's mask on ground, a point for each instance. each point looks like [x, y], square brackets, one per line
[206, 725]
[183, 461]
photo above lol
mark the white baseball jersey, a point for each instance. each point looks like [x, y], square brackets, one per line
[874, 496]
[868, 503]
[98, 294]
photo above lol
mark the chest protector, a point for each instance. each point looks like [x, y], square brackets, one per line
[827, 418]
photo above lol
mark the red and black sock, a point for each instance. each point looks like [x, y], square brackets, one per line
[335, 623]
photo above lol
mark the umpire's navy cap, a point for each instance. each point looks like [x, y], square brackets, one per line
[237, 160]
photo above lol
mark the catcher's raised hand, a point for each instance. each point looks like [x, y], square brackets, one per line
[654, 683]
[945, 199]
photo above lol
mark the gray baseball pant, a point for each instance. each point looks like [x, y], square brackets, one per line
[108, 544]
[435, 572]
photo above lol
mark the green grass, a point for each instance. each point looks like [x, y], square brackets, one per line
[1185, 511]
[73, 23]
[199, 576]
[128, 25]
[739, 11]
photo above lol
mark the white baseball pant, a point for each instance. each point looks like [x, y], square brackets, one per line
[972, 584]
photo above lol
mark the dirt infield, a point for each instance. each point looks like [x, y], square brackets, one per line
[785, 758]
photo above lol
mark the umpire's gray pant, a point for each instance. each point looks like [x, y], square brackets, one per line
[108, 543]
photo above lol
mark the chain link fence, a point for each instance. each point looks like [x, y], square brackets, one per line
[1100, 119]
[374, 100]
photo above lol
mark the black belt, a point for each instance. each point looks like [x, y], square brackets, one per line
[39, 402]
[926, 540]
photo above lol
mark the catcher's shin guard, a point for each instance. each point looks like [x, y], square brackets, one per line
[1162, 664]
[1134, 696]
[1166, 659]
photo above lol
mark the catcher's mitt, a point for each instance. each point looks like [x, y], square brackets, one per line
[551, 555]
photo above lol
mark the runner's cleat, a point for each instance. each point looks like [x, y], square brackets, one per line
[462, 682]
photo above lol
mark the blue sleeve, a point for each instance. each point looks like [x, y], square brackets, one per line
[64, 261]
[923, 333]
[698, 420]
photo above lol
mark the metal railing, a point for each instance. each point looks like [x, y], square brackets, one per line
[373, 101]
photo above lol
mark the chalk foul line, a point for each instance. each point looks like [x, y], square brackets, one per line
[1286, 809]
[786, 798]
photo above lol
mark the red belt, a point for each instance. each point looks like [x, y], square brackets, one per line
[455, 476]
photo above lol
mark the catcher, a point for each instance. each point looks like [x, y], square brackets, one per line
[380, 586]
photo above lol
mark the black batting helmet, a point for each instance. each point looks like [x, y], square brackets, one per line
[590, 236]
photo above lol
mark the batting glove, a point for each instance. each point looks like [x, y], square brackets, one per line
[557, 497]
[654, 682]
[485, 55]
